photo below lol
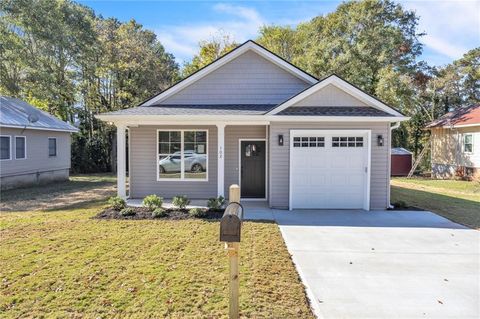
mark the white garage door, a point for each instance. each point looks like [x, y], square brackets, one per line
[329, 169]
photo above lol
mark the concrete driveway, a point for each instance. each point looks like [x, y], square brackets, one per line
[359, 264]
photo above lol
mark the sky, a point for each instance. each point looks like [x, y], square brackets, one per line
[452, 27]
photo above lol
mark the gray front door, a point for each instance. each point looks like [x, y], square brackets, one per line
[252, 170]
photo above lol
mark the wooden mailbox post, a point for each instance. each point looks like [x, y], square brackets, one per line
[230, 232]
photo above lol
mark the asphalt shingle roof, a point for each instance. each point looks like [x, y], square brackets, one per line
[197, 109]
[333, 111]
[15, 112]
[464, 116]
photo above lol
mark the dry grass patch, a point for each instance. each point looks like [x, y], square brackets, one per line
[59, 195]
[65, 264]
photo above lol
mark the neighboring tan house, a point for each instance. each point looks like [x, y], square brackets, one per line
[35, 146]
[455, 143]
[253, 119]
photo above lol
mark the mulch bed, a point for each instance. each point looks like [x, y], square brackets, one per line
[145, 213]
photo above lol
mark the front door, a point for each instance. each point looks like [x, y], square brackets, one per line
[252, 169]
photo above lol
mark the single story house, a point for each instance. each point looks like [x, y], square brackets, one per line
[253, 119]
[455, 144]
[34, 145]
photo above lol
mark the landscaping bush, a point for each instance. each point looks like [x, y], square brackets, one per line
[400, 204]
[159, 213]
[216, 203]
[197, 212]
[117, 203]
[180, 201]
[128, 211]
[152, 202]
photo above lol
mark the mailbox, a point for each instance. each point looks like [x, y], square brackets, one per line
[231, 223]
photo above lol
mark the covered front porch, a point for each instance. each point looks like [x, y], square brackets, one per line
[197, 160]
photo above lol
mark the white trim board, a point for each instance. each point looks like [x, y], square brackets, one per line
[368, 133]
[240, 140]
[342, 85]
[247, 46]
[23, 127]
[237, 119]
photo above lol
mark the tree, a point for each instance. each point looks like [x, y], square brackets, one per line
[210, 50]
[281, 40]
[61, 57]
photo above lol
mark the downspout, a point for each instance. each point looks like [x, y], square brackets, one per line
[393, 127]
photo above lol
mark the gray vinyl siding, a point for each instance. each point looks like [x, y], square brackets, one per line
[248, 79]
[330, 96]
[143, 170]
[232, 136]
[279, 160]
[37, 160]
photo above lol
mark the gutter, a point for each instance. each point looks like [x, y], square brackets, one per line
[393, 127]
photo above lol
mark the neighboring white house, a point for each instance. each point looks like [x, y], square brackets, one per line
[34, 145]
[253, 119]
[455, 142]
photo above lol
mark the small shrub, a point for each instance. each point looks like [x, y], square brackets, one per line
[400, 204]
[127, 211]
[159, 213]
[117, 203]
[216, 203]
[197, 212]
[152, 202]
[180, 201]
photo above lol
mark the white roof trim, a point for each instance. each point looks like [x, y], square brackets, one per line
[342, 85]
[39, 128]
[247, 46]
[251, 119]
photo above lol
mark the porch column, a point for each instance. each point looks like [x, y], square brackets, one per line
[221, 160]
[121, 165]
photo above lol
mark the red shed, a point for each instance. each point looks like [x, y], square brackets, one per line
[401, 162]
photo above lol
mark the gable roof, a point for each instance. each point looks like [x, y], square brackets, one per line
[246, 46]
[343, 85]
[15, 113]
[466, 116]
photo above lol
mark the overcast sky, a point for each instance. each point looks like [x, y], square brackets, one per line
[452, 27]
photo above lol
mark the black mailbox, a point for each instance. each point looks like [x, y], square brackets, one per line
[231, 223]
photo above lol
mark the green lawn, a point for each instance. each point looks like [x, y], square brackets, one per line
[61, 263]
[458, 201]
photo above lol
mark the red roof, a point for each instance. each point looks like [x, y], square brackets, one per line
[463, 116]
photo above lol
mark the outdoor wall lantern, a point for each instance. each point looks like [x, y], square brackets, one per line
[280, 140]
[379, 140]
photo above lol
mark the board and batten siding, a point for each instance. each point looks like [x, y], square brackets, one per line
[233, 133]
[247, 79]
[330, 96]
[143, 165]
[37, 152]
[279, 160]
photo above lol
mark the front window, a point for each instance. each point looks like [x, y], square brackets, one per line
[468, 143]
[52, 146]
[4, 147]
[20, 147]
[182, 155]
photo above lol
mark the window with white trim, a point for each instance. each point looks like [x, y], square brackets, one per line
[468, 143]
[347, 141]
[52, 146]
[309, 141]
[20, 147]
[182, 155]
[5, 151]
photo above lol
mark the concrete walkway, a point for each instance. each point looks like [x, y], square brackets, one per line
[386, 264]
